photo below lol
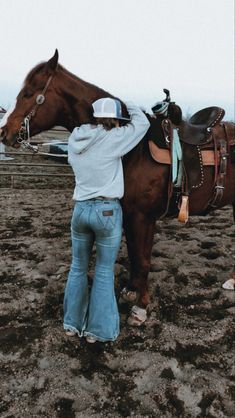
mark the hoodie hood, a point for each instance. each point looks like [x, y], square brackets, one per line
[84, 137]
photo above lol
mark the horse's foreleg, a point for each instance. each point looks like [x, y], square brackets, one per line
[139, 229]
[230, 283]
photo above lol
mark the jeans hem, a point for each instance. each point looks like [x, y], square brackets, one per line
[71, 328]
[103, 340]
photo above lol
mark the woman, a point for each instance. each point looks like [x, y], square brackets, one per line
[95, 153]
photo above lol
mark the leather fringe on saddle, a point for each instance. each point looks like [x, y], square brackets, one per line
[177, 177]
[184, 209]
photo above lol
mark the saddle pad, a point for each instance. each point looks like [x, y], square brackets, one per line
[163, 156]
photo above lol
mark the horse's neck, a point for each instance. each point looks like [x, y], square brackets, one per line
[78, 96]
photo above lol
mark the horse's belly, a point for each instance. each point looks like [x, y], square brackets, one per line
[200, 199]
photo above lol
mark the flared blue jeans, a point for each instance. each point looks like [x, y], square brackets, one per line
[93, 313]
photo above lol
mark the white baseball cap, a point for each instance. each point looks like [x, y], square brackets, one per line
[108, 108]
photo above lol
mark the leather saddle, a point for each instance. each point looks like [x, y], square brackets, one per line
[202, 133]
[196, 135]
[197, 130]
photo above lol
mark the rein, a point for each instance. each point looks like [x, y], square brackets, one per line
[23, 136]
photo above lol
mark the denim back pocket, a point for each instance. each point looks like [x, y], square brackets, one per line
[107, 218]
[77, 212]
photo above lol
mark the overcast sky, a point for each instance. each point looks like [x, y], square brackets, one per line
[132, 48]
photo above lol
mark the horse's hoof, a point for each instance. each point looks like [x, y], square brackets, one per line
[137, 317]
[229, 284]
[127, 296]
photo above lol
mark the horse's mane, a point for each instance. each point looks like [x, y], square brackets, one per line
[39, 67]
[35, 70]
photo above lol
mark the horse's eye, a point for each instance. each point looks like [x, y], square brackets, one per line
[27, 93]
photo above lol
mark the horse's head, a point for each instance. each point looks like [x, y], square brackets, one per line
[37, 105]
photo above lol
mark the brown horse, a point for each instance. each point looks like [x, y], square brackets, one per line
[51, 96]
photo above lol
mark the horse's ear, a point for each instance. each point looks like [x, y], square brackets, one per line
[52, 64]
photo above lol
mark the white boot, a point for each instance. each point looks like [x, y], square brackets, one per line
[137, 317]
[229, 284]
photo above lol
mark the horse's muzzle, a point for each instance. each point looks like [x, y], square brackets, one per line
[3, 137]
[9, 142]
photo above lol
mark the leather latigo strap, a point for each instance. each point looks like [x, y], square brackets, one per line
[168, 131]
[222, 146]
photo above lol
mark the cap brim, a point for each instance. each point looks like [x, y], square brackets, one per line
[127, 119]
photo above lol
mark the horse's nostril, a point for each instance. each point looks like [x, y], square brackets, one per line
[2, 133]
[3, 136]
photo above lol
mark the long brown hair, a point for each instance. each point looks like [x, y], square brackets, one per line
[108, 123]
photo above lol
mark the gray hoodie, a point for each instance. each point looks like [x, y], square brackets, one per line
[95, 155]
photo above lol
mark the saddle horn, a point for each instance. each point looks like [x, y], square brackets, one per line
[168, 97]
[161, 108]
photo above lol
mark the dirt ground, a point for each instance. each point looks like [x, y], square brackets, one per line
[180, 363]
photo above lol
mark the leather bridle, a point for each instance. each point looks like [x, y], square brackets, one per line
[23, 136]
